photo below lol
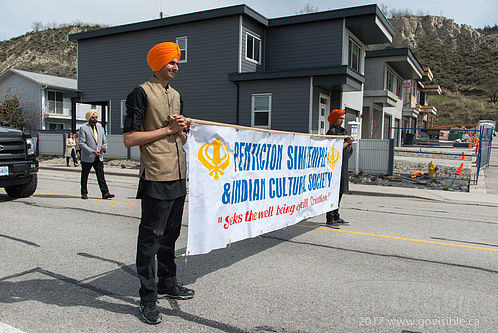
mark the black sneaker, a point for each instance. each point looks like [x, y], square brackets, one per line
[108, 196]
[84, 196]
[333, 225]
[341, 221]
[150, 313]
[178, 293]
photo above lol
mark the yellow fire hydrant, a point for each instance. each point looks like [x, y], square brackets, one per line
[432, 169]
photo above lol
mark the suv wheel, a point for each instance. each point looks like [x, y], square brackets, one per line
[24, 190]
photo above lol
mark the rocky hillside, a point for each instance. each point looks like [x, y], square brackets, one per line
[47, 51]
[463, 60]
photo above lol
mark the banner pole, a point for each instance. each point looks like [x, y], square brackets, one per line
[206, 122]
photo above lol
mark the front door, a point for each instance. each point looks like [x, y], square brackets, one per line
[323, 124]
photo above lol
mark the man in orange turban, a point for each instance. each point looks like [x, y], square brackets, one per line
[163, 59]
[161, 54]
[155, 124]
[336, 119]
[335, 115]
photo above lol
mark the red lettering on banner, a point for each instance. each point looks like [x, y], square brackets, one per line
[231, 220]
[251, 215]
[320, 198]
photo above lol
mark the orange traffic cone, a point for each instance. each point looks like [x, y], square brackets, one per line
[463, 156]
[459, 171]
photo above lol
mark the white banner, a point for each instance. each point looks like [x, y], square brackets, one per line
[244, 183]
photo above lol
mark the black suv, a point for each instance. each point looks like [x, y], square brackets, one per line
[18, 162]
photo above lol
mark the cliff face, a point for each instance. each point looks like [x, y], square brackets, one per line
[462, 58]
[410, 30]
[46, 52]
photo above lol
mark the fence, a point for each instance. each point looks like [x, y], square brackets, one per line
[55, 144]
[478, 139]
[374, 157]
[485, 143]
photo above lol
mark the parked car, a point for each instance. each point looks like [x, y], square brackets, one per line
[18, 162]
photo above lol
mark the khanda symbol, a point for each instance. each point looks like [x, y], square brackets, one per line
[214, 157]
[333, 157]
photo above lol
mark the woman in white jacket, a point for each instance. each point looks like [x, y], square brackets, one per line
[70, 149]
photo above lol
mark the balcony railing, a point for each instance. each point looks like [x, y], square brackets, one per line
[54, 108]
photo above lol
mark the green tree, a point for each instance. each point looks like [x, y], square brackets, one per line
[10, 111]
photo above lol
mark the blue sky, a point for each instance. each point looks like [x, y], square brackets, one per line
[16, 19]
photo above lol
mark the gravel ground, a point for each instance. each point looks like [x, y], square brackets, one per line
[445, 179]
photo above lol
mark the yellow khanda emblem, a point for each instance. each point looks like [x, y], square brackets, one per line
[333, 157]
[210, 155]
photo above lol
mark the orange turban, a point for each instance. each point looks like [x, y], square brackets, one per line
[162, 54]
[335, 115]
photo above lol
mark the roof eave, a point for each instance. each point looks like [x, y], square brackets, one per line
[172, 20]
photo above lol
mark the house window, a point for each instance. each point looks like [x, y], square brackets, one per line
[261, 111]
[390, 81]
[55, 126]
[55, 102]
[253, 48]
[123, 112]
[182, 43]
[399, 88]
[354, 55]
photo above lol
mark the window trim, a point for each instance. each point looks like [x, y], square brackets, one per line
[55, 101]
[350, 54]
[184, 51]
[122, 106]
[393, 77]
[399, 88]
[260, 111]
[255, 37]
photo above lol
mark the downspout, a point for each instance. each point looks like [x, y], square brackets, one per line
[43, 90]
[237, 107]
[74, 100]
[310, 111]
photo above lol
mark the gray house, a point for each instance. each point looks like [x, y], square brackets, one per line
[45, 99]
[239, 67]
[417, 113]
[47, 102]
[385, 73]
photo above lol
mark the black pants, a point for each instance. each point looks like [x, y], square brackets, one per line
[158, 231]
[334, 214]
[98, 166]
[73, 156]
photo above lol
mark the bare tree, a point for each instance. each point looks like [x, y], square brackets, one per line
[384, 9]
[401, 12]
[308, 8]
[492, 91]
[36, 26]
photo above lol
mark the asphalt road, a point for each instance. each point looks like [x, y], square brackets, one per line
[404, 264]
